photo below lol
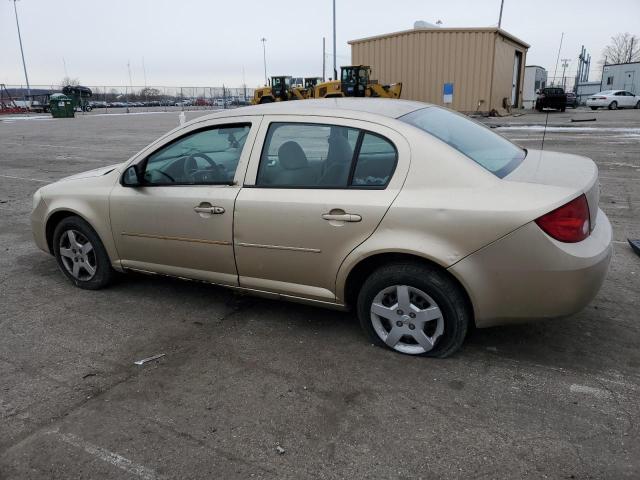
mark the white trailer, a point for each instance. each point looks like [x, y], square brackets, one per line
[535, 78]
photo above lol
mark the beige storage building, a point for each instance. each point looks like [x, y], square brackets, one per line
[485, 65]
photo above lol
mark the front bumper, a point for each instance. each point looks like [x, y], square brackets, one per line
[528, 275]
[38, 222]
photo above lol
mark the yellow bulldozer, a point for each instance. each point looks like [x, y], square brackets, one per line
[355, 81]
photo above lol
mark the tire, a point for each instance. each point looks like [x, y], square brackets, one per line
[438, 300]
[613, 105]
[638, 105]
[266, 100]
[76, 260]
[563, 109]
[594, 108]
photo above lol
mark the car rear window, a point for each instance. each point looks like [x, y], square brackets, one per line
[488, 149]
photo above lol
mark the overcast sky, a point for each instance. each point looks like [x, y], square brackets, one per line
[209, 42]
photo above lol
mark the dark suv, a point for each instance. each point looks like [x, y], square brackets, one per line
[551, 97]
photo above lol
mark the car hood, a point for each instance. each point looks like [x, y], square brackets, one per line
[97, 172]
[561, 170]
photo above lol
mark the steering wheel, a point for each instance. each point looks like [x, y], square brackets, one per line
[191, 166]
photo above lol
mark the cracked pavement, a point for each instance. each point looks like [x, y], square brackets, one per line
[242, 376]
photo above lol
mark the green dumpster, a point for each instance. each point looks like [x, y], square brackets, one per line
[61, 106]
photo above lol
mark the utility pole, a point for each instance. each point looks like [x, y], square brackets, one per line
[24, 65]
[335, 70]
[324, 58]
[500, 18]
[565, 64]
[631, 49]
[264, 57]
[555, 72]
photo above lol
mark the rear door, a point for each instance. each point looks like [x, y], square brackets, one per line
[315, 189]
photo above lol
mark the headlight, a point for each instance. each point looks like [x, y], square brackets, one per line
[37, 198]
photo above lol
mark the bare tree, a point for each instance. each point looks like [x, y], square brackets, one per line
[74, 82]
[624, 48]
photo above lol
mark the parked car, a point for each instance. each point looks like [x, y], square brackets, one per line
[572, 100]
[551, 97]
[613, 99]
[418, 218]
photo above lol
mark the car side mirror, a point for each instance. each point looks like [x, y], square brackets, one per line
[132, 177]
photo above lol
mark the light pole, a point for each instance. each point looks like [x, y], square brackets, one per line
[24, 65]
[565, 64]
[264, 57]
[500, 18]
[335, 70]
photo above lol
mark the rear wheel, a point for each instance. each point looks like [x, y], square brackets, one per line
[81, 255]
[613, 106]
[266, 100]
[638, 105]
[413, 309]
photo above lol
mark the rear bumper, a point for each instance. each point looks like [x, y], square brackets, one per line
[597, 103]
[528, 275]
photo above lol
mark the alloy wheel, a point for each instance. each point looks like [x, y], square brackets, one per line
[407, 319]
[77, 255]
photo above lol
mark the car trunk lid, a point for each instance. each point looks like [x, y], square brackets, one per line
[561, 170]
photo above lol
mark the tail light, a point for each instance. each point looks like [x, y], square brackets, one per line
[570, 223]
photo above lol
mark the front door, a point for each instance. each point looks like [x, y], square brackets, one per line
[517, 67]
[315, 190]
[629, 81]
[180, 220]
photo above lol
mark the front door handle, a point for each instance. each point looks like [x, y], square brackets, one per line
[204, 208]
[342, 217]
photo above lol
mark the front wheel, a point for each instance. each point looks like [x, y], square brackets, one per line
[414, 309]
[81, 255]
[594, 108]
[638, 105]
[613, 106]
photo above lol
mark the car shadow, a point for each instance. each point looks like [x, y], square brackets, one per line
[573, 343]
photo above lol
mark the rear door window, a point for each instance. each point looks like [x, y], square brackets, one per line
[304, 155]
[376, 162]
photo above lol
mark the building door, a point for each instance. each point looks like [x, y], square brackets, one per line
[515, 93]
[629, 78]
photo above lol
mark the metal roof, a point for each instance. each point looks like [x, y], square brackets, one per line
[499, 31]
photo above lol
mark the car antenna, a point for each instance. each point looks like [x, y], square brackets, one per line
[544, 133]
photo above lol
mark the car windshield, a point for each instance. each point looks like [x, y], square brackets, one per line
[486, 148]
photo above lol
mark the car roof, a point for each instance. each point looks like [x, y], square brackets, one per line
[340, 107]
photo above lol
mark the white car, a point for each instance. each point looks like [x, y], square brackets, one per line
[613, 99]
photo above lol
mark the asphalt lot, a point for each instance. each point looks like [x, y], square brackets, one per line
[243, 376]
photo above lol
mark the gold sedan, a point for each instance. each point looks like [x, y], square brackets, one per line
[420, 219]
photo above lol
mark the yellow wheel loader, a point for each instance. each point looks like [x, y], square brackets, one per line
[280, 90]
[355, 82]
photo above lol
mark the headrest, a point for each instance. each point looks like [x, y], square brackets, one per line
[291, 156]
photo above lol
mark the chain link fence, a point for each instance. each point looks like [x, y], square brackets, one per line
[118, 99]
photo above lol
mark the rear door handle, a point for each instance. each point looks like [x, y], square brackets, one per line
[342, 217]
